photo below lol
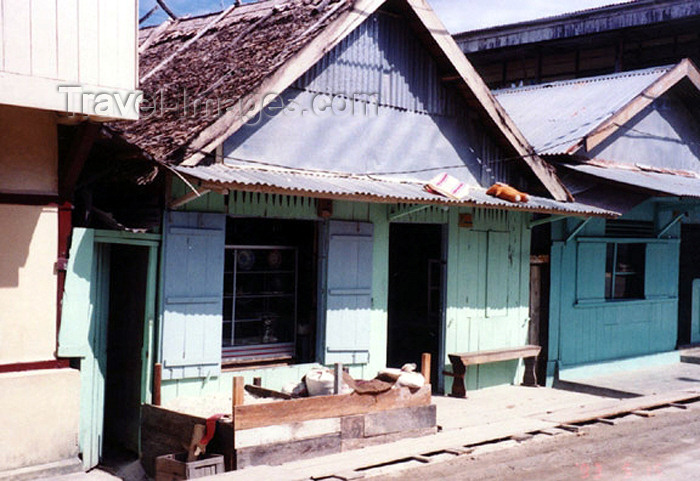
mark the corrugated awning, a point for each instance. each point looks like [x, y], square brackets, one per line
[677, 185]
[365, 188]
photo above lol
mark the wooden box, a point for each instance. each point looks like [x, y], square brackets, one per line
[282, 431]
[174, 467]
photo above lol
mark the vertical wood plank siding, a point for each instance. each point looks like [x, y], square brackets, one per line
[87, 41]
[584, 328]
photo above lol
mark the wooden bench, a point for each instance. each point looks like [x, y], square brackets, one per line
[460, 362]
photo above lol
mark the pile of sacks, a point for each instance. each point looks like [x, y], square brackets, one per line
[320, 382]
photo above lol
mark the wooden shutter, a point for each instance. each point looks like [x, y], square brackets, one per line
[661, 269]
[348, 292]
[78, 302]
[590, 271]
[193, 270]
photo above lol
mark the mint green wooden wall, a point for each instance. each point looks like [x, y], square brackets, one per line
[488, 274]
[584, 327]
[487, 287]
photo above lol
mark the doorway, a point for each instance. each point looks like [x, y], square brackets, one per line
[128, 277]
[689, 286]
[416, 295]
[107, 323]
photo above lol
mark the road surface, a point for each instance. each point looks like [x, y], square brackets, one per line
[665, 447]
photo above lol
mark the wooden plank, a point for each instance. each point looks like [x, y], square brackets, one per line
[157, 382]
[397, 420]
[495, 355]
[258, 415]
[67, 40]
[425, 365]
[126, 58]
[164, 432]
[44, 45]
[271, 454]
[349, 444]
[238, 396]
[609, 422]
[264, 392]
[108, 47]
[17, 42]
[610, 125]
[284, 433]
[409, 447]
[88, 49]
[609, 408]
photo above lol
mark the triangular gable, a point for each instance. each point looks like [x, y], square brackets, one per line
[375, 104]
[684, 70]
[663, 136]
[333, 26]
[576, 116]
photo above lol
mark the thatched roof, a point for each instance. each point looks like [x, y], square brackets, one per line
[225, 64]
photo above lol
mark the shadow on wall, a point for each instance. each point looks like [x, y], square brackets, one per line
[19, 223]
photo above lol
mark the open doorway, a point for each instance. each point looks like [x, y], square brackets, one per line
[128, 277]
[689, 286]
[416, 294]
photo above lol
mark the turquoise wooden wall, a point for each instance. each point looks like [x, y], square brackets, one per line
[584, 327]
[487, 287]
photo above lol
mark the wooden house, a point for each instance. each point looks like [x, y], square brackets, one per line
[296, 230]
[47, 47]
[614, 38]
[624, 292]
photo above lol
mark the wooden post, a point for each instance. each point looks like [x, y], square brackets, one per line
[257, 381]
[425, 366]
[338, 378]
[157, 379]
[193, 450]
[238, 392]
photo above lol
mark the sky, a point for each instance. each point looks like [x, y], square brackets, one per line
[457, 15]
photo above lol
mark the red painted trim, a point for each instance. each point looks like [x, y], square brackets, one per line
[28, 199]
[35, 366]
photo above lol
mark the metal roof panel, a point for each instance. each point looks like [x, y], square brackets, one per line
[556, 116]
[365, 188]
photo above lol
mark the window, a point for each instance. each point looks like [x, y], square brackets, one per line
[624, 271]
[269, 290]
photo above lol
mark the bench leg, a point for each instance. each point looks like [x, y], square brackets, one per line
[530, 375]
[458, 388]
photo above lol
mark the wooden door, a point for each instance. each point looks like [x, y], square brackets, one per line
[539, 311]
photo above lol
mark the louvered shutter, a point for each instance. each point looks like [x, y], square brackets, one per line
[348, 292]
[193, 269]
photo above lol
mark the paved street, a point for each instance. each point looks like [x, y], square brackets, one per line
[665, 447]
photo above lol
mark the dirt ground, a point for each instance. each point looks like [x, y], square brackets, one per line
[665, 447]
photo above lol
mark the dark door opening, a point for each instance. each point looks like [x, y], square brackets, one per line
[688, 326]
[415, 294]
[539, 296]
[128, 272]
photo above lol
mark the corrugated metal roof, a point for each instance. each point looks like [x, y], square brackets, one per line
[556, 116]
[678, 185]
[364, 188]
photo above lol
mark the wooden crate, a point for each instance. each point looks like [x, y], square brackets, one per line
[278, 432]
[174, 467]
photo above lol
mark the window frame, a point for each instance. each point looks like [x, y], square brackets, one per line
[609, 294]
